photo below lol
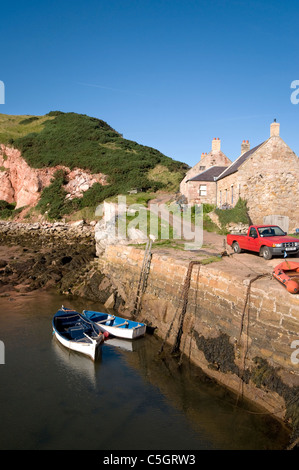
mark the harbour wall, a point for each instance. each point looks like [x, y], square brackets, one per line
[238, 328]
[241, 327]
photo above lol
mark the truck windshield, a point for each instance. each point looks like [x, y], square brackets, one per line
[270, 231]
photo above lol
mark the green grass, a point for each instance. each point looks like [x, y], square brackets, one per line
[14, 127]
[170, 179]
[79, 141]
[138, 198]
[144, 219]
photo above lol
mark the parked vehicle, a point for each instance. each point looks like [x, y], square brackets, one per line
[267, 240]
[116, 326]
[76, 333]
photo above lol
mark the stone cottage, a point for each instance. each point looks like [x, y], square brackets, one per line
[199, 186]
[267, 177]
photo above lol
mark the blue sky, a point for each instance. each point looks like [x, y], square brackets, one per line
[169, 74]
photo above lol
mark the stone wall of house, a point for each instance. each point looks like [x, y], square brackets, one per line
[194, 195]
[226, 332]
[214, 158]
[268, 181]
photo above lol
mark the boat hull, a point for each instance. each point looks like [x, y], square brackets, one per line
[116, 326]
[287, 273]
[76, 334]
[88, 349]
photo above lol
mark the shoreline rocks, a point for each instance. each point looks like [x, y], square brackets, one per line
[42, 255]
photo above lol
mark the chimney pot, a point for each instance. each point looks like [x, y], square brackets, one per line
[245, 146]
[216, 144]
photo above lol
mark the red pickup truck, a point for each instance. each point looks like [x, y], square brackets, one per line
[267, 240]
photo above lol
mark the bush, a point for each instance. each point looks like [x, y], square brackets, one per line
[238, 214]
[53, 199]
[8, 211]
[206, 208]
[29, 120]
[6, 205]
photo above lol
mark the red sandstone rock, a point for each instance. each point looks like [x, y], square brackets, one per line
[23, 185]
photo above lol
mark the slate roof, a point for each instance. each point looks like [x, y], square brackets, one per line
[237, 163]
[208, 175]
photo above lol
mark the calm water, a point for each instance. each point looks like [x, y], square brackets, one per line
[129, 399]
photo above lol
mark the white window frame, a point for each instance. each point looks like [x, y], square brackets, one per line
[203, 190]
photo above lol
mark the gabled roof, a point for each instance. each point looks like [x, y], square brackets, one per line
[237, 163]
[209, 175]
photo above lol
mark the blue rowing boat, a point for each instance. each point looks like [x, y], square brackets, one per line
[116, 326]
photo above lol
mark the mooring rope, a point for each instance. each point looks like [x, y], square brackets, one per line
[186, 288]
[259, 276]
[184, 297]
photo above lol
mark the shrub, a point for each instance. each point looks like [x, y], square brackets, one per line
[7, 210]
[238, 214]
[53, 199]
[29, 120]
[77, 140]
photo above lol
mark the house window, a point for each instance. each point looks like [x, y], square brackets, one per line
[202, 168]
[220, 198]
[226, 196]
[203, 190]
[232, 195]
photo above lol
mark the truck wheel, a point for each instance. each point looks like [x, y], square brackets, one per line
[236, 247]
[266, 252]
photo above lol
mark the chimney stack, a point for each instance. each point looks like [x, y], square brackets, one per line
[274, 129]
[245, 146]
[216, 144]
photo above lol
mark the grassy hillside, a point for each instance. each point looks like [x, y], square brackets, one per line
[13, 127]
[77, 140]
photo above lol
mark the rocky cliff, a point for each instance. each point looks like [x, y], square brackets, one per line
[22, 185]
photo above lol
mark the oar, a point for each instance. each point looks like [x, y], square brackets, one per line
[106, 319]
[122, 324]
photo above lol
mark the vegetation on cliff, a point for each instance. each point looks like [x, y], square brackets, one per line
[80, 141]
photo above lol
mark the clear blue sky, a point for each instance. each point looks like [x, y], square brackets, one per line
[170, 74]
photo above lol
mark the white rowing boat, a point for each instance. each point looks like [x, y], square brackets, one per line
[76, 333]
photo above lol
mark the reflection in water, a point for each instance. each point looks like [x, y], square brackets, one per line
[80, 365]
[130, 398]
